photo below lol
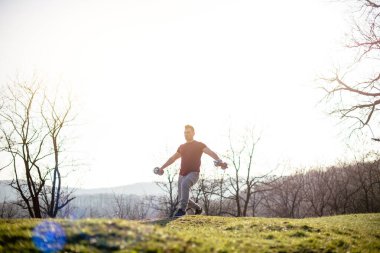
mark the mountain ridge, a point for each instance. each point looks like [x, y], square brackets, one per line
[139, 188]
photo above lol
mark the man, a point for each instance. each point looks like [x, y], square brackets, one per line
[190, 153]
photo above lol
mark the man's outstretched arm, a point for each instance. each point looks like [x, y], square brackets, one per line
[171, 160]
[211, 153]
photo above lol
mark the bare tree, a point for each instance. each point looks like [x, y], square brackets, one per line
[340, 189]
[344, 188]
[257, 197]
[123, 207]
[237, 182]
[142, 207]
[7, 209]
[284, 196]
[316, 190]
[221, 192]
[366, 174]
[69, 211]
[2, 166]
[205, 192]
[358, 93]
[25, 131]
[54, 197]
[24, 141]
[243, 183]
[167, 204]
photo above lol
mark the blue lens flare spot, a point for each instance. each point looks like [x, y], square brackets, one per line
[49, 237]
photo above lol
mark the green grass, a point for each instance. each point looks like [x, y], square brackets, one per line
[344, 233]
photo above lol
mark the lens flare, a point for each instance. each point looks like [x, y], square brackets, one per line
[49, 237]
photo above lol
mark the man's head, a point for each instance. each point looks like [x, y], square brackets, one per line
[189, 132]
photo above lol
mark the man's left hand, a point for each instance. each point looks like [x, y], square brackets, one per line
[220, 163]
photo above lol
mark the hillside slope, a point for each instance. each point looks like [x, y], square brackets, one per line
[344, 233]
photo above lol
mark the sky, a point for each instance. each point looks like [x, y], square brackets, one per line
[142, 69]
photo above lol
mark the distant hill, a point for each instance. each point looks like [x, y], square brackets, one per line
[141, 189]
[6, 191]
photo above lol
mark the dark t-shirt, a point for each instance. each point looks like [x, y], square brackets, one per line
[191, 153]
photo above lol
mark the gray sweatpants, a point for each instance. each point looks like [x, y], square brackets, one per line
[184, 185]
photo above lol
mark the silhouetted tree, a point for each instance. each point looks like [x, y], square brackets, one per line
[357, 91]
[167, 204]
[242, 183]
[26, 127]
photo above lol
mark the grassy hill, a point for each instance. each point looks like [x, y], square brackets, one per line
[344, 233]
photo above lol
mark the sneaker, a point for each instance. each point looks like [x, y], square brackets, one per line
[179, 213]
[198, 211]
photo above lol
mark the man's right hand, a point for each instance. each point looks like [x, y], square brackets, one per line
[168, 162]
[158, 171]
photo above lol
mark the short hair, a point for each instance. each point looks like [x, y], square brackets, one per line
[190, 126]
